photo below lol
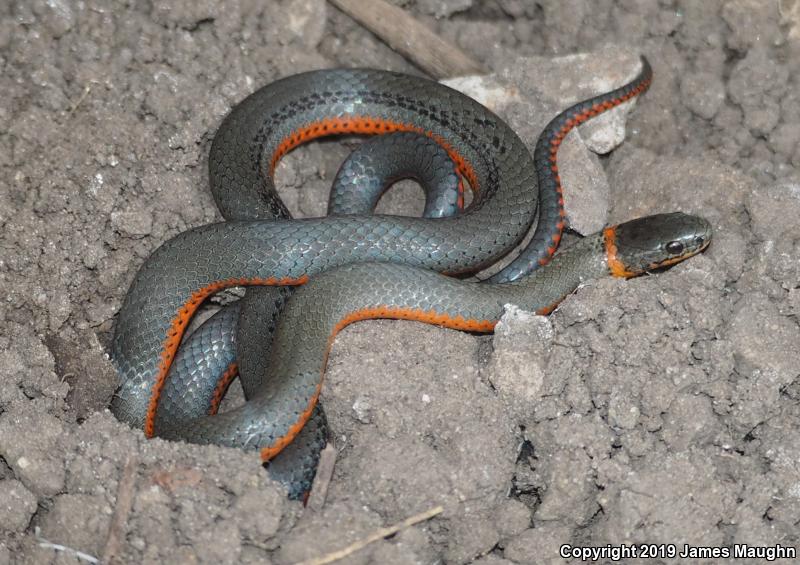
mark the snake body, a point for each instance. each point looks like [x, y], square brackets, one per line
[215, 353]
[312, 317]
[363, 266]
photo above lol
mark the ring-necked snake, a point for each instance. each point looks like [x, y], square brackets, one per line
[361, 266]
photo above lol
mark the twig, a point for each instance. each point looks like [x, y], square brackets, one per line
[377, 535]
[58, 547]
[80, 100]
[319, 490]
[122, 510]
[411, 38]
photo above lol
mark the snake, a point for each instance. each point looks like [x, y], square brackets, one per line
[237, 339]
[355, 266]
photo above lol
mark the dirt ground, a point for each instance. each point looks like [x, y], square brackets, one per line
[664, 409]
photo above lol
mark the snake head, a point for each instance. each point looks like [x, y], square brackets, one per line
[648, 243]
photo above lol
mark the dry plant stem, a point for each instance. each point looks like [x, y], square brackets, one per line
[319, 490]
[375, 536]
[116, 531]
[411, 38]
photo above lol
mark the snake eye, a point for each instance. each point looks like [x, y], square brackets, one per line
[674, 248]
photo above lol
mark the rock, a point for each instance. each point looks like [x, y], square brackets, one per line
[684, 496]
[752, 23]
[421, 438]
[512, 517]
[57, 15]
[623, 410]
[690, 422]
[703, 93]
[540, 544]
[785, 139]
[338, 525]
[487, 89]
[522, 342]
[260, 512]
[581, 76]
[443, 8]
[307, 20]
[471, 536]
[5, 555]
[82, 519]
[648, 184]
[17, 506]
[33, 442]
[757, 83]
[517, 92]
[134, 222]
[764, 343]
[771, 207]
[570, 490]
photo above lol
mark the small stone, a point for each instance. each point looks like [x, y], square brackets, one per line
[362, 410]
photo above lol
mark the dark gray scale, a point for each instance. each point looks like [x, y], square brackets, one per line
[202, 359]
[372, 168]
